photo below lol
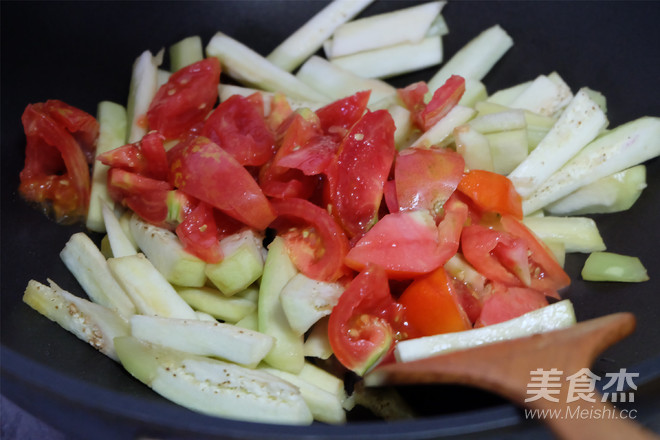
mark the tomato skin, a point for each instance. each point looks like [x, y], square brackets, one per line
[492, 192]
[361, 327]
[450, 227]
[432, 306]
[185, 100]
[412, 97]
[314, 158]
[506, 303]
[280, 181]
[444, 99]
[146, 196]
[406, 244]
[83, 126]
[358, 173]
[426, 177]
[202, 169]
[60, 138]
[280, 110]
[478, 244]
[510, 254]
[199, 234]
[339, 116]
[146, 157]
[315, 242]
[547, 274]
[238, 126]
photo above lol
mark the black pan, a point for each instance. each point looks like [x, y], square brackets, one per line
[82, 53]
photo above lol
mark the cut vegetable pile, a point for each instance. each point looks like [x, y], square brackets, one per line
[273, 223]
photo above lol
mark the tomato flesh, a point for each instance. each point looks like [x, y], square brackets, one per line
[361, 328]
[426, 177]
[406, 244]
[199, 234]
[237, 125]
[185, 100]
[432, 307]
[315, 242]
[60, 139]
[492, 192]
[202, 169]
[358, 173]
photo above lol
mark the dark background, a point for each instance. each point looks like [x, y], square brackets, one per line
[82, 53]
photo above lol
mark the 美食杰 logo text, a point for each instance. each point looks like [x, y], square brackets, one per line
[580, 387]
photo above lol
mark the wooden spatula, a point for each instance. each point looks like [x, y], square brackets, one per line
[505, 368]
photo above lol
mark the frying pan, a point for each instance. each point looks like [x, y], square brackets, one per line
[82, 53]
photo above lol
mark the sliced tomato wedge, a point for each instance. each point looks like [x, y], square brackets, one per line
[315, 242]
[506, 303]
[146, 157]
[362, 326]
[238, 126]
[513, 256]
[280, 181]
[426, 177]
[339, 116]
[479, 245]
[357, 175]
[405, 244]
[492, 192]
[202, 169]
[412, 97]
[450, 227]
[147, 197]
[185, 100]
[546, 274]
[426, 115]
[199, 235]
[60, 139]
[314, 157]
[280, 110]
[444, 99]
[432, 306]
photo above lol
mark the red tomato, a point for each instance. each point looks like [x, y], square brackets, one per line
[280, 181]
[56, 172]
[357, 175]
[146, 196]
[280, 110]
[202, 169]
[82, 125]
[444, 99]
[426, 177]
[389, 194]
[314, 157]
[185, 100]
[491, 192]
[338, 117]
[450, 228]
[508, 303]
[238, 126]
[315, 242]
[425, 115]
[199, 235]
[406, 244]
[479, 245]
[146, 157]
[513, 256]
[432, 306]
[413, 99]
[362, 325]
[546, 273]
